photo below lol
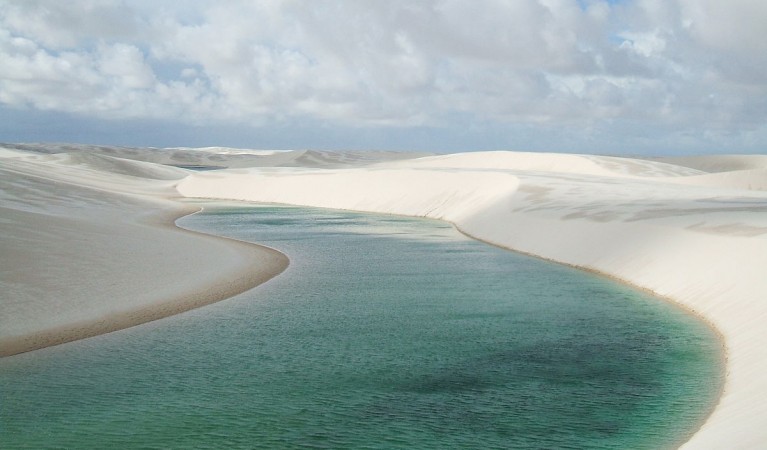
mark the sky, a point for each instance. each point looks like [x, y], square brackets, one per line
[621, 77]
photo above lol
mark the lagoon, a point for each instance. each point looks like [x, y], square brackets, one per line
[385, 332]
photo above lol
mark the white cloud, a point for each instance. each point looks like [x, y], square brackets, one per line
[126, 66]
[698, 64]
[57, 25]
[736, 26]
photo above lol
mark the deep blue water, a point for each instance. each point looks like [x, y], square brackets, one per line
[384, 332]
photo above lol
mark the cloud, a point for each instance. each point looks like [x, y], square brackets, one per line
[59, 25]
[698, 65]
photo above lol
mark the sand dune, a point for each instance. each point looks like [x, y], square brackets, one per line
[214, 157]
[89, 246]
[693, 230]
[719, 163]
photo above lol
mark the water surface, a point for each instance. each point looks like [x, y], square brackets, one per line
[384, 332]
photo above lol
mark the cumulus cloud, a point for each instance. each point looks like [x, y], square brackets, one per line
[694, 64]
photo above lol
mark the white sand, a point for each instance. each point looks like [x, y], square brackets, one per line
[687, 230]
[88, 246]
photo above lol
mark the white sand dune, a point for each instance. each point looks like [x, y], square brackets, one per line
[695, 237]
[214, 157]
[88, 246]
[693, 230]
[719, 163]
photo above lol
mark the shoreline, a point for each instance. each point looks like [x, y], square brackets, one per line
[678, 304]
[724, 356]
[723, 365]
[257, 265]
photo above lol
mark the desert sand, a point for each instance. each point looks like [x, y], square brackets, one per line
[692, 230]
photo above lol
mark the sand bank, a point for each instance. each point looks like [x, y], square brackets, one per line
[694, 232]
[89, 246]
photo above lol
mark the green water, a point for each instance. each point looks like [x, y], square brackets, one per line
[384, 332]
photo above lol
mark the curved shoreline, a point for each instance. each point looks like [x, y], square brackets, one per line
[724, 364]
[723, 367]
[644, 233]
[247, 279]
[257, 265]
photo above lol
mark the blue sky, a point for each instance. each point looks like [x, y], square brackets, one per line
[615, 77]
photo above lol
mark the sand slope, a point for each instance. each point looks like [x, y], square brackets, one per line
[694, 233]
[88, 246]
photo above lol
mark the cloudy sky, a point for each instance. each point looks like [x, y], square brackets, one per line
[616, 77]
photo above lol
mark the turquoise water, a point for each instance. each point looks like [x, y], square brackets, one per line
[384, 332]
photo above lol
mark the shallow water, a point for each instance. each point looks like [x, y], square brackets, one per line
[385, 332]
